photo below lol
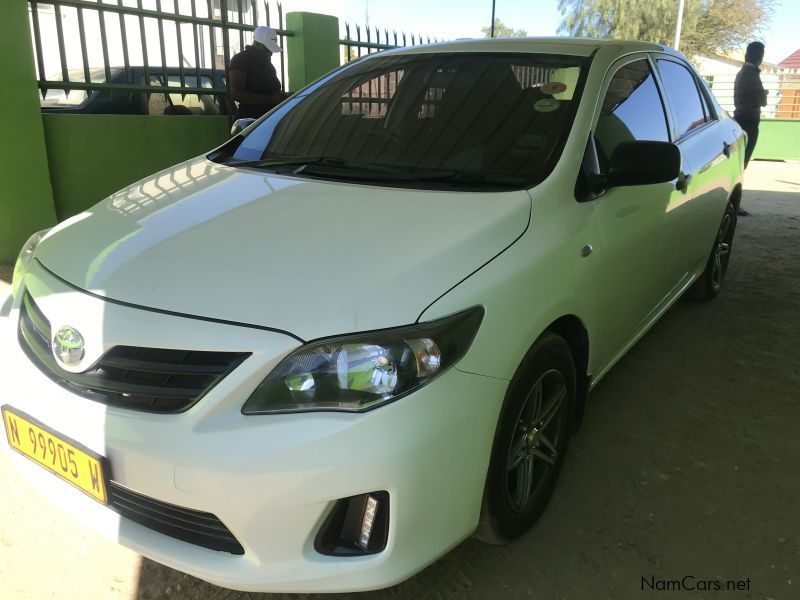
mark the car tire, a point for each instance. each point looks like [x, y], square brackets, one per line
[530, 441]
[709, 284]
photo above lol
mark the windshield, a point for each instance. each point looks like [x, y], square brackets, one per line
[447, 119]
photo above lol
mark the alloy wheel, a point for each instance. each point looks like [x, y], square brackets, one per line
[534, 449]
[722, 249]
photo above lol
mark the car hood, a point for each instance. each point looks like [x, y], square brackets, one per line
[314, 258]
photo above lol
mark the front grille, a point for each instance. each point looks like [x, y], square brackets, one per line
[192, 526]
[146, 379]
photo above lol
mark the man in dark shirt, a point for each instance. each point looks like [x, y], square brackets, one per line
[749, 96]
[253, 81]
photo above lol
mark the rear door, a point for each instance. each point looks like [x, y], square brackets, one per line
[706, 151]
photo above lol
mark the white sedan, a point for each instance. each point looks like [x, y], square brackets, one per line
[363, 329]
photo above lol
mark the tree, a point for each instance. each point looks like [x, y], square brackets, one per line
[709, 26]
[502, 30]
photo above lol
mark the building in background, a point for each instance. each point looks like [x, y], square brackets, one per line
[720, 73]
[789, 68]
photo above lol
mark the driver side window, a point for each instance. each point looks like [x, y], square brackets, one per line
[632, 110]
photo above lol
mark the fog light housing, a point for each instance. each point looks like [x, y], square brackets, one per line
[357, 526]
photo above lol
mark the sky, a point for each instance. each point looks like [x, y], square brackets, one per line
[451, 19]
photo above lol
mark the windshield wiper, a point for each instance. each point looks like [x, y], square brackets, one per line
[366, 173]
[343, 170]
[338, 168]
[284, 161]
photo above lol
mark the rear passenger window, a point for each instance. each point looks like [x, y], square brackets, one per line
[681, 89]
[632, 110]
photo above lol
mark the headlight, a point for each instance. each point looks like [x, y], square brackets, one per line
[24, 259]
[362, 371]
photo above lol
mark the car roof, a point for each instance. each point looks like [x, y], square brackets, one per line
[545, 45]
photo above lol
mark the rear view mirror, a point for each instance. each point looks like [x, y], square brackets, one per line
[643, 163]
[240, 125]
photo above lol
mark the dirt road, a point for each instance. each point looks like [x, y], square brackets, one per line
[688, 464]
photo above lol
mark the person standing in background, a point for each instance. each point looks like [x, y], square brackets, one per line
[253, 81]
[748, 98]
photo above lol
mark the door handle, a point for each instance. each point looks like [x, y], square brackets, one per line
[683, 182]
[726, 149]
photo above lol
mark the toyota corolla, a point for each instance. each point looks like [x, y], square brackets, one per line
[363, 329]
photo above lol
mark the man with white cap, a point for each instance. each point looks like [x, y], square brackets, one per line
[253, 81]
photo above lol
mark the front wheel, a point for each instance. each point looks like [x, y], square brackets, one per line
[530, 441]
[710, 282]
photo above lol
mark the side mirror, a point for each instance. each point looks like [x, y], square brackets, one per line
[240, 125]
[643, 163]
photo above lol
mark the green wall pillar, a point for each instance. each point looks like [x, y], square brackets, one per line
[313, 50]
[26, 197]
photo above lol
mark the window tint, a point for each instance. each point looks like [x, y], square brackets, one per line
[458, 119]
[681, 89]
[632, 110]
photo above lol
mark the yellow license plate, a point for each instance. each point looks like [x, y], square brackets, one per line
[65, 458]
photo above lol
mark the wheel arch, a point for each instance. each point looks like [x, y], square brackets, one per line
[572, 329]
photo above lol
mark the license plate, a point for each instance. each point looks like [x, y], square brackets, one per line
[67, 459]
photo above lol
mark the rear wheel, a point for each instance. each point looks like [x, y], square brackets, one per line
[710, 282]
[530, 442]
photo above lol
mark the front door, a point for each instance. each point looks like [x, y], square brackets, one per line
[641, 264]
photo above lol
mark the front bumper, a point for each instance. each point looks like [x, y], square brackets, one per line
[271, 479]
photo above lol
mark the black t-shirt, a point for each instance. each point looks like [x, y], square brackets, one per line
[261, 79]
[748, 94]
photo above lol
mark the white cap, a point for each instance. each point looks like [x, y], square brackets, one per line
[268, 37]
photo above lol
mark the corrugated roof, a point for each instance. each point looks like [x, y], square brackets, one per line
[791, 62]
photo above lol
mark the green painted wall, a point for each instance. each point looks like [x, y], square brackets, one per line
[26, 199]
[778, 139]
[92, 156]
[313, 50]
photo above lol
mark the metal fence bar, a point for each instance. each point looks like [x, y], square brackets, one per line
[213, 42]
[254, 9]
[157, 14]
[143, 36]
[37, 40]
[161, 37]
[84, 53]
[355, 47]
[247, 12]
[196, 46]
[226, 51]
[241, 21]
[783, 100]
[179, 37]
[366, 45]
[104, 41]
[284, 60]
[124, 39]
[61, 50]
[124, 87]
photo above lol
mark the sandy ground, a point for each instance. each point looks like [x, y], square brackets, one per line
[688, 463]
